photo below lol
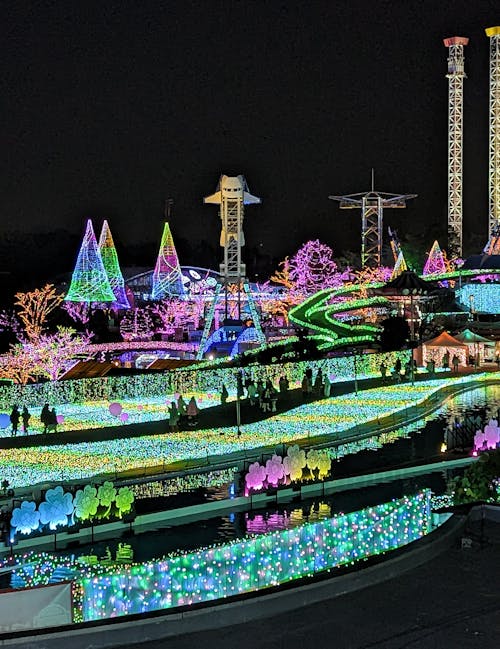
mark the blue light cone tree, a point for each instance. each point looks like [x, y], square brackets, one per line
[112, 267]
[167, 278]
[89, 282]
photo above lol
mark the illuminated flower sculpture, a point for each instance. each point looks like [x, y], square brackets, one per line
[274, 469]
[106, 494]
[324, 464]
[294, 462]
[256, 476]
[313, 459]
[25, 519]
[56, 508]
[86, 502]
[124, 500]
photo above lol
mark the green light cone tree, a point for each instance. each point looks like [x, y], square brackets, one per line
[112, 267]
[89, 282]
[167, 278]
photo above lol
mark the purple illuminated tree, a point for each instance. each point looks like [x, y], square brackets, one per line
[435, 264]
[313, 268]
[137, 324]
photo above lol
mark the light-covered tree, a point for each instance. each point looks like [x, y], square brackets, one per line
[18, 365]
[137, 324]
[78, 311]
[55, 353]
[313, 268]
[172, 312]
[34, 308]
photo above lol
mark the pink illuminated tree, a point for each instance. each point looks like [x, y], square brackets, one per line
[313, 268]
[137, 324]
[55, 353]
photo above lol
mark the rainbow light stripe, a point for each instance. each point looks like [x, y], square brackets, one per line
[256, 563]
[23, 467]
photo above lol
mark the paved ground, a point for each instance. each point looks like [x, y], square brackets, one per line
[452, 602]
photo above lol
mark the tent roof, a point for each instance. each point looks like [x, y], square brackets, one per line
[407, 283]
[468, 336]
[444, 340]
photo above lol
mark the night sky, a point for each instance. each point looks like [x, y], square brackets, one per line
[110, 108]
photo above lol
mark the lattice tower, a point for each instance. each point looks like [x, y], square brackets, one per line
[372, 206]
[455, 76]
[231, 195]
[494, 136]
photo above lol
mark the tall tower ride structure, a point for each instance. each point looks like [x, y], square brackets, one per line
[232, 195]
[493, 34]
[455, 76]
[372, 206]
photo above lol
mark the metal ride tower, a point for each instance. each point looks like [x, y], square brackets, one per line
[455, 76]
[372, 206]
[232, 195]
[493, 34]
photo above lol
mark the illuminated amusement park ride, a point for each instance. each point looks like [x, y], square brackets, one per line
[231, 195]
[334, 316]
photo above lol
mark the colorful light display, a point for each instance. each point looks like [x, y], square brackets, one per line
[258, 562]
[183, 484]
[188, 381]
[89, 282]
[60, 509]
[482, 298]
[167, 277]
[111, 265]
[28, 466]
[435, 264]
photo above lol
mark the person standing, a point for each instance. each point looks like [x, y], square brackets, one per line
[25, 417]
[14, 420]
[383, 371]
[52, 423]
[192, 412]
[224, 395]
[173, 418]
[327, 386]
[181, 407]
[45, 417]
[454, 362]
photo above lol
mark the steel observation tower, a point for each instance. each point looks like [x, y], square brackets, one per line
[455, 76]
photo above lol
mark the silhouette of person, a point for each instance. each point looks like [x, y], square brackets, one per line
[25, 417]
[14, 420]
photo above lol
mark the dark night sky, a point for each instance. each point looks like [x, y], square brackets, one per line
[108, 108]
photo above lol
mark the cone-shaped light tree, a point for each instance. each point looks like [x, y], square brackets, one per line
[90, 281]
[112, 267]
[167, 278]
[435, 263]
[399, 266]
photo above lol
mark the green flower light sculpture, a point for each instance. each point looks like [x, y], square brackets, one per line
[124, 500]
[86, 502]
[106, 494]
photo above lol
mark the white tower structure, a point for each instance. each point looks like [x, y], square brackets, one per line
[456, 76]
[493, 34]
[232, 195]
